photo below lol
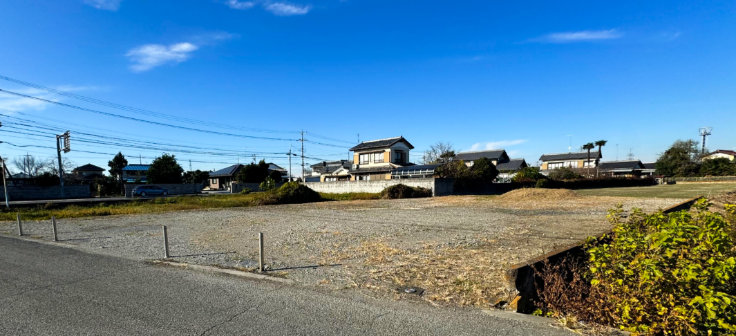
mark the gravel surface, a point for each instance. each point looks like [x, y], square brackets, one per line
[373, 246]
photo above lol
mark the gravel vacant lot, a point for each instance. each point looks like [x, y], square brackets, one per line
[457, 248]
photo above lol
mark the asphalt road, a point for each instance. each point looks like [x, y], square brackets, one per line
[51, 290]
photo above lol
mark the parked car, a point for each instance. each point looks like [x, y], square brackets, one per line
[149, 190]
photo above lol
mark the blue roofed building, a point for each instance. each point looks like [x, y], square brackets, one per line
[136, 173]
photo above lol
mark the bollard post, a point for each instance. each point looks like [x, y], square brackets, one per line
[53, 227]
[20, 225]
[166, 242]
[260, 252]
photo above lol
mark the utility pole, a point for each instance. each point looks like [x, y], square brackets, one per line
[289, 162]
[59, 138]
[190, 164]
[5, 184]
[704, 132]
[302, 140]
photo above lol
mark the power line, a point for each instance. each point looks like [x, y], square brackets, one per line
[133, 109]
[110, 114]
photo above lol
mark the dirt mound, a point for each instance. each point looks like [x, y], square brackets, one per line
[537, 194]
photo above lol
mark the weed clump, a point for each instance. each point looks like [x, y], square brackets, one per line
[291, 193]
[404, 191]
[655, 274]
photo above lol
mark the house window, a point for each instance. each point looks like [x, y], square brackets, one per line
[378, 157]
[365, 158]
[399, 156]
[555, 165]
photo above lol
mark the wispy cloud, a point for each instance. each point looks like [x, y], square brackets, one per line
[111, 5]
[18, 104]
[495, 144]
[579, 36]
[149, 56]
[286, 9]
[274, 7]
[235, 4]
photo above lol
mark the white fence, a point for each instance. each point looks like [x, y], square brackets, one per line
[439, 187]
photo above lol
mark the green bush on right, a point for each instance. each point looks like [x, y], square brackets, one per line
[667, 274]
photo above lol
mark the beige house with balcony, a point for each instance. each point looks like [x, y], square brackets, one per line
[374, 160]
[570, 160]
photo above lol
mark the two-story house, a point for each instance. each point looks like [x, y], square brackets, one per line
[374, 160]
[569, 160]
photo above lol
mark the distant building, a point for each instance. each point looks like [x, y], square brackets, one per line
[650, 169]
[507, 170]
[570, 160]
[222, 179]
[87, 172]
[721, 153]
[329, 171]
[628, 168]
[494, 155]
[136, 173]
[375, 159]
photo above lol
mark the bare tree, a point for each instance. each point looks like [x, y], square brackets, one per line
[440, 152]
[52, 166]
[29, 165]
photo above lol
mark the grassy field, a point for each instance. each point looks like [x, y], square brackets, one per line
[679, 190]
[160, 205]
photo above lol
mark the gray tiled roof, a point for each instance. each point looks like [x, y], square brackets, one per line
[227, 172]
[326, 167]
[489, 154]
[382, 143]
[617, 165]
[512, 165]
[89, 167]
[650, 165]
[570, 156]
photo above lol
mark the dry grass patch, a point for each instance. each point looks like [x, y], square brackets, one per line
[459, 275]
[536, 194]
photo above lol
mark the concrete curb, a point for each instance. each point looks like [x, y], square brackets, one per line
[229, 271]
[201, 268]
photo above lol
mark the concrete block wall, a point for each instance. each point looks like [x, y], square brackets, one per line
[439, 187]
[28, 193]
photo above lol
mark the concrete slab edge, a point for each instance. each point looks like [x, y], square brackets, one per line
[229, 271]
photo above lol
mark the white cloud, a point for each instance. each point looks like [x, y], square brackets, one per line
[495, 144]
[111, 5]
[285, 9]
[235, 4]
[579, 36]
[149, 56]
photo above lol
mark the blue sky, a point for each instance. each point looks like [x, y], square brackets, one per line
[532, 77]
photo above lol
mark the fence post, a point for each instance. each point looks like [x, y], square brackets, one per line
[53, 227]
[260, 252]
[166, 242]
[20, 225]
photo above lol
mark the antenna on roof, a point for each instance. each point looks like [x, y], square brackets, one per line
[704, 132]
[569, 140]
[631, 154]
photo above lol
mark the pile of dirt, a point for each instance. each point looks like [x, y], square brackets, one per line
[537, 194]
[718, 201]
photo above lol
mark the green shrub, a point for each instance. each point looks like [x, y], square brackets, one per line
[245, 191]
[541, 183]
[528, 175]
[667, 273]
[293, 192]
[404, 191]
[564, 173]
[267, 184]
